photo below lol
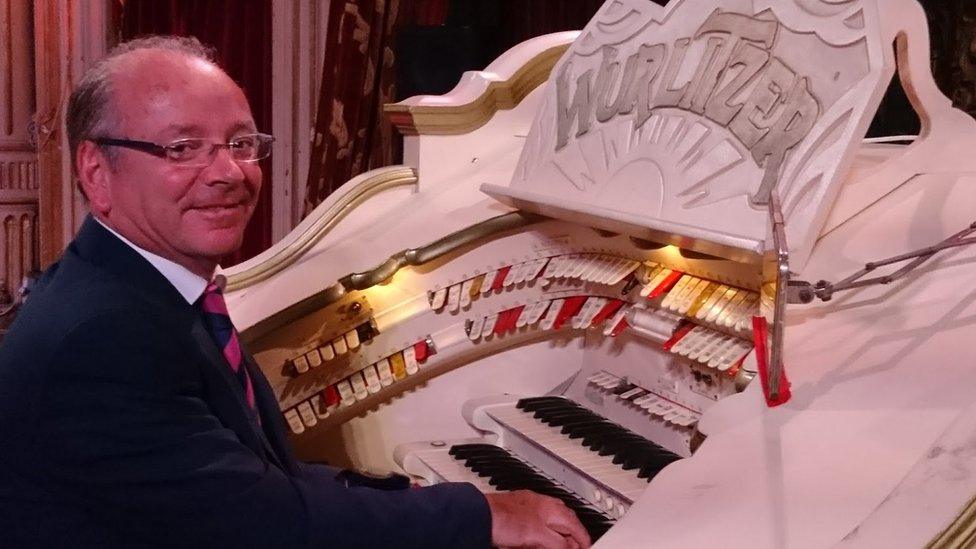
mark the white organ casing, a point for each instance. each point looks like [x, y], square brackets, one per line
[873, 450]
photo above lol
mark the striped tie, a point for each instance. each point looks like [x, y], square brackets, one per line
[217, 319]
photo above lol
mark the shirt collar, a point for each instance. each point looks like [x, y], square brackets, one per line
[189, 284]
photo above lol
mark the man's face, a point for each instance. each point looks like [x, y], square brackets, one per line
[193, 216]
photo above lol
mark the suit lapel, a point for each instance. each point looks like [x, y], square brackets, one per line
[225, 397]
[271, 418]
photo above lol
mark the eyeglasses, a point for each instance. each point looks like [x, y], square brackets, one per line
[197, 152]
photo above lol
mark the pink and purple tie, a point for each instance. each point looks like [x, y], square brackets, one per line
[217, 319]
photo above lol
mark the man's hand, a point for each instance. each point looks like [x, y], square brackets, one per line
[527, 519]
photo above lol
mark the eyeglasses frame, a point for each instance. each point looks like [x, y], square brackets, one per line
[159, 151]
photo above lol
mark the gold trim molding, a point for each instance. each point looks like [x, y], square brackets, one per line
[285, 257]
[961, 533]
[461, 119]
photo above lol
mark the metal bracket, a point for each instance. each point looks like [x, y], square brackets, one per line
[779, 303]
[801, 292]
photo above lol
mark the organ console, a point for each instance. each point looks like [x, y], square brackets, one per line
[598, 243]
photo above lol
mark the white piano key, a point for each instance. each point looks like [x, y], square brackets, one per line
[385, 372]
[327, 352]
[352, 339]
[438, 299]
[359, 386]
[671, 296]
[723, 317]
[684, 345]
[538, 310]
[718, 347]
[307, 414]
[749, 309]
[550, 319]
[656, 281]
[627, 395]
[690, 297]
[301, 364]
[567, 265]
[582, 264]
[489, 326]
[627, 267]
[314, 358]
[552, 267]
[465, 301]
[339, 344]
[596, 377]
[649, 402]
[609, 326]
[537, 266]
[522, 271]
[709, 339]
[489, 280]
[477, 324]
[735, 355]
[595, 307]
[711, 301]
[294, 421]
[596, 265]
[410, 360]
[720, 305]
[589, 310]
[453, 298]
[511, 274]
[372, 378]
[346, 393]
[683, 294]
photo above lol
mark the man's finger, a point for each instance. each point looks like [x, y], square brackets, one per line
[565, 522]
[550, 539]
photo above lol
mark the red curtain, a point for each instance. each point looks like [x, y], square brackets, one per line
[351, 133]
[240, 31]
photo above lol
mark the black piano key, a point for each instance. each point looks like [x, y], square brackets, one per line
[531, 403]
[505, 471]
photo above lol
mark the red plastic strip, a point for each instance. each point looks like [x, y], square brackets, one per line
[666, 284]
[331, 396]
[570, 307]
[499, 281]
[620, 327]
[680, 333]
[420, 349]
[760, 331]
[607, 311]
[513, 316]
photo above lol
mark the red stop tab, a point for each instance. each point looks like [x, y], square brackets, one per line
[678, 335]
[620, 327]
[666, 284]
[421, 351]
[501, 324]
[571, 306]
[331, 396]
[607, 311]
[499, 281]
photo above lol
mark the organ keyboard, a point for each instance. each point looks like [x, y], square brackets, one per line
[572, 284]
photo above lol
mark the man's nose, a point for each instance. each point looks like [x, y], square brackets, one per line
[223, 168]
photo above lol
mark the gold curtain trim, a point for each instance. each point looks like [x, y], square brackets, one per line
[961, 533]
[461, 119]
[387, 179]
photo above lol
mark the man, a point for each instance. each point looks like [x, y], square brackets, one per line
[129, 415]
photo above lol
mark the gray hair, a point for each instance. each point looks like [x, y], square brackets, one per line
[90, 113]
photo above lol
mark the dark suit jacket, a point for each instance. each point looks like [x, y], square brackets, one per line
[122, 426]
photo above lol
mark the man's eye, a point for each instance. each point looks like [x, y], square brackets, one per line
[247, 142]
[181, 149]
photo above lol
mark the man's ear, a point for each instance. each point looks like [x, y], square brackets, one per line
[94, 173]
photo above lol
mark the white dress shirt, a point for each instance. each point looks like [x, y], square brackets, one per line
[189, 284]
